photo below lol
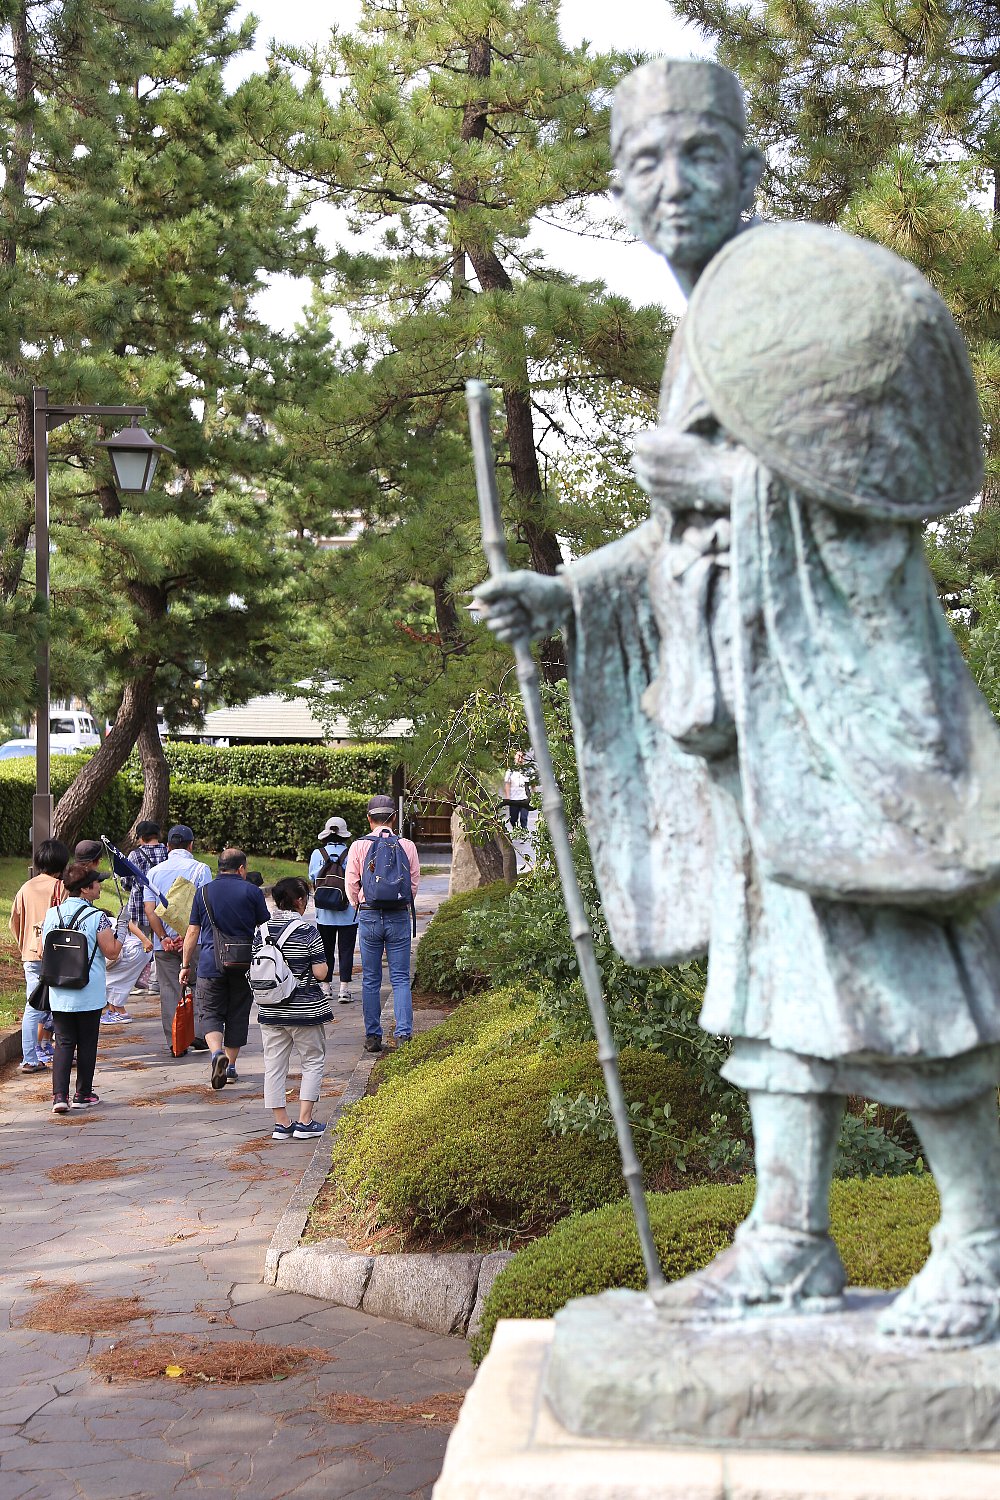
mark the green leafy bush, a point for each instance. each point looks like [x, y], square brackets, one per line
[437, 969]
[282, 821]
[867, 1149]
[456, 1138]
[881, 1227]
[357, 768]
[526, 939]
[113, 814]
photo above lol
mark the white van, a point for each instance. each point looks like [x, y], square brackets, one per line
[72, 729]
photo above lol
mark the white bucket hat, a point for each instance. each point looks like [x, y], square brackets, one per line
[335, 825]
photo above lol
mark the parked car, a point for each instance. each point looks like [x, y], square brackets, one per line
[14, 749]
[73, 729]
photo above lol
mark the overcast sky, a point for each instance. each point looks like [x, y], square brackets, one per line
[639, 25]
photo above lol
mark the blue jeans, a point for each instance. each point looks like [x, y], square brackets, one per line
[32, 1018]
[387, 931]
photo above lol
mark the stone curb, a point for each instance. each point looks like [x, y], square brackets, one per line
[10, 1047]
[443, 1292]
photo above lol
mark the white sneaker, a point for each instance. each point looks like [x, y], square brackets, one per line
[345, 997]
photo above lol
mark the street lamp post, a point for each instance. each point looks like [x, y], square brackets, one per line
[133, 457]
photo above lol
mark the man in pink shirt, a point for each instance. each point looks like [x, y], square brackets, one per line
[381, 885]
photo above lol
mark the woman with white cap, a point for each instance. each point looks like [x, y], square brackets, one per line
[336, 918]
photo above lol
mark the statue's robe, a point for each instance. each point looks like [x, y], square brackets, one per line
[785, 763]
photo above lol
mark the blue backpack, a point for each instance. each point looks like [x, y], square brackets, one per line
[385, 874]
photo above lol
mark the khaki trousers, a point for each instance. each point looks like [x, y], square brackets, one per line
[279, 1042]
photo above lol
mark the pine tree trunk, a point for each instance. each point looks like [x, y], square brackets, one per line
[989, 498]
[12, 195]
[155, 777]
[80, 798]
[446, 615]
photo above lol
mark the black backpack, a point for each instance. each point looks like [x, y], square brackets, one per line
[67, 957]
[330, 884]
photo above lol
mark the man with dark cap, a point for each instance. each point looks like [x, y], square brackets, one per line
[89, 852]
[176, 881]
[782, 756]
[148, 852]
[382, 875]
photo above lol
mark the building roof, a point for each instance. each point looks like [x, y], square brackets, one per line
[271, 717]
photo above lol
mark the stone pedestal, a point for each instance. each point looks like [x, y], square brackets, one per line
[508, 1445]
[620, 1369]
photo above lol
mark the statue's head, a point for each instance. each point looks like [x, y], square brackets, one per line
[685, 173]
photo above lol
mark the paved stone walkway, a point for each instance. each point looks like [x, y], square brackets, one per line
[185, 1227]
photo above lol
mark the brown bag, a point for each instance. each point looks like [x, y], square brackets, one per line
[182, 1033]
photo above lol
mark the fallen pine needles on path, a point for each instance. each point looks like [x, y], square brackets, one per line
[435, 1411]
[189, 1360]
[75, 1309]
[99, 1169]
[158, 1097]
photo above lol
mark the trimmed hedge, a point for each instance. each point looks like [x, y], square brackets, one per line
[113, 814]
[881, 1226]
[281, 821]
[436, 970]
[363, 769]
[456, 1137]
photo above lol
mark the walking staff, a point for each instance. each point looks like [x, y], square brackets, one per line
[495, 547]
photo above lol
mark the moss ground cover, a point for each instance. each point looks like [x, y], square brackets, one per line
[881, 1226]
[456, 1139]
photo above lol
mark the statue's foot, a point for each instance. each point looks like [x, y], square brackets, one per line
[955, 1300]
[767, 1269]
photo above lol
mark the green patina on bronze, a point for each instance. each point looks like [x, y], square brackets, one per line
[784, 760]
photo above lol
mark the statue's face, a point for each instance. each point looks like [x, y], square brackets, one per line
[685, 180]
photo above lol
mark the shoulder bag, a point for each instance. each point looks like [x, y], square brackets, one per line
[230, 952]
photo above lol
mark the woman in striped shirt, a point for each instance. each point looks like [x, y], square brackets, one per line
[296, 1025]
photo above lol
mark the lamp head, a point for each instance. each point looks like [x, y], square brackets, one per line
[134, 456]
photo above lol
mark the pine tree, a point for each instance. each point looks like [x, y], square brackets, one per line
[137, 241]
[53, 203]
[446, 129]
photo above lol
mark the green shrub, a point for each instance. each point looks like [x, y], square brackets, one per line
[113, 814]
[357, 768]
[437, 969]
[880, 1225]
[504, 1013]
[456, 1137]
[282, 821]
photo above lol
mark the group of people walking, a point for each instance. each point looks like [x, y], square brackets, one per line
[209, 934]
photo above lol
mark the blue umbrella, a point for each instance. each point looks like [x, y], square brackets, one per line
[124, 867]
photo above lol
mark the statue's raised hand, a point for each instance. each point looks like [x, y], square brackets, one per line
[524, 606]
